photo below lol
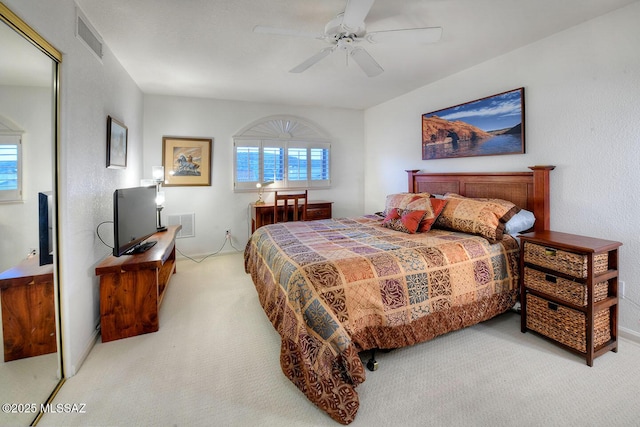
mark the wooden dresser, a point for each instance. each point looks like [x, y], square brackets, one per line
[28, 310]
[132, 288]
[263, 214]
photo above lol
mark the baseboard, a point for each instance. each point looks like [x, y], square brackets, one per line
[200, 257]
[629, 334]
[73, 369]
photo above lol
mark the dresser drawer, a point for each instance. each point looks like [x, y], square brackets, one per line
[566, 325]
[320, 212]
[561, 261]
[570, 291]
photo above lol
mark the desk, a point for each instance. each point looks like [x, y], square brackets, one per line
[28, 310]
[132, 288]
[263, 214]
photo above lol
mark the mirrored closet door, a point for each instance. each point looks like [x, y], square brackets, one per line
[31, 361]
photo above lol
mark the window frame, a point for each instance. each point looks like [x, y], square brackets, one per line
[13, 195]
[285, 133]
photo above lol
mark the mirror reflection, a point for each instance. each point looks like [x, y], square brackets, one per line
[30, 366]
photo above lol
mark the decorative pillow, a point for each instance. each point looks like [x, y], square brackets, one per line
[520, 222]
[484, 217]
[404, 220]
[437, 205]
[401, 200]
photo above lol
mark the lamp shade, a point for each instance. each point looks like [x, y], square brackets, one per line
[260, 186]
[157, 172]
[264, 184]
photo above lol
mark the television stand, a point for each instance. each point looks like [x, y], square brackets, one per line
[132, 287]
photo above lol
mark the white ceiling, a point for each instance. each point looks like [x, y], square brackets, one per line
[206, 48]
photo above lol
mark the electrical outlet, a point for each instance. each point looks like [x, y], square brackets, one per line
[621, 288]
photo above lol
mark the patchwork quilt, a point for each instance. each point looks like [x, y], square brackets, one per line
[334, 288]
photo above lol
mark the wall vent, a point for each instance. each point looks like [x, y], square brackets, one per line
[188, 223]
[88, 34]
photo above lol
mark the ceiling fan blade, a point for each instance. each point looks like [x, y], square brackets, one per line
[410, 35]
[369, 65]
[262, 29]
[355, 13]
[313, 60]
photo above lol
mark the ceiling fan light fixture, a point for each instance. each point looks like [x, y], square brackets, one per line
[347, 30]
[345, 43]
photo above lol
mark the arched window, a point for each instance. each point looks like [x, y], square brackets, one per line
[286, 150]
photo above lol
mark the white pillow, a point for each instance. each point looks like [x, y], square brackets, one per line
[520, 222]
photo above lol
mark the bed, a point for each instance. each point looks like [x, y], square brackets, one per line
[335, 288]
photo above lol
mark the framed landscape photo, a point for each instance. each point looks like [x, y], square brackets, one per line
[485, 127]
[117, 134]
[186, 161]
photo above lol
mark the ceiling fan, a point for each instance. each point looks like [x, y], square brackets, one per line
[347, 30]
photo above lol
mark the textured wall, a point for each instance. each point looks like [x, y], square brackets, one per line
[218, 208]
[582, 107]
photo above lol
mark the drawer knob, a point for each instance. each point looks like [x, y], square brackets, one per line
[550, 278]
[552, 306]
[549, 251]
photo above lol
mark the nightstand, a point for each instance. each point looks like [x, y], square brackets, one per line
[569, 291]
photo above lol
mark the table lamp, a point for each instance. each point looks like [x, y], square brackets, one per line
[260, 186]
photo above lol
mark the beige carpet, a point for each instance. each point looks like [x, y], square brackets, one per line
[215, 362]
[26, 381]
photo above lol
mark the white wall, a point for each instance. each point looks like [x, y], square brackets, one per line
[218, 208]
[90, 90]
[29, 108]
[582, 98]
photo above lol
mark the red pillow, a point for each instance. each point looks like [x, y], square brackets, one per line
[404, 220]
[437, 205]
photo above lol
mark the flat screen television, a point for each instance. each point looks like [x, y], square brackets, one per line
[45, 227]
[134, 219]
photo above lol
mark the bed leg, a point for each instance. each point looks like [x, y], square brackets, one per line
[372, 364]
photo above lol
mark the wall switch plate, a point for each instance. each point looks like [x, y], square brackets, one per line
[621, 288]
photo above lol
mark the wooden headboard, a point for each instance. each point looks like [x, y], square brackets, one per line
[528, 190]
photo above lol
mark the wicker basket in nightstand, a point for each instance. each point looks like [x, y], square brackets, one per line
[569, 291]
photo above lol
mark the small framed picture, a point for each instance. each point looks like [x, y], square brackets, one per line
[117, 134]
[186, 161]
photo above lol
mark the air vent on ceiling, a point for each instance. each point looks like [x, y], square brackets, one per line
[88, 34]
[187, 221]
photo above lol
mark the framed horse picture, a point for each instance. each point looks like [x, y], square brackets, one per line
[186, 161]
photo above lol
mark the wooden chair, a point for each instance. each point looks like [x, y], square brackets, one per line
[296, 198]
